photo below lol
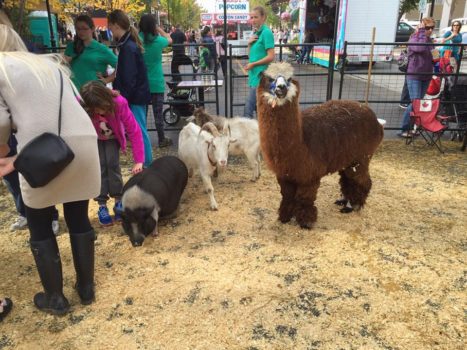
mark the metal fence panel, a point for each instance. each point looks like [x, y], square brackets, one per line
[313, 78]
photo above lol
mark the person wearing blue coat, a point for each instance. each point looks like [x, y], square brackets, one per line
[131, 74]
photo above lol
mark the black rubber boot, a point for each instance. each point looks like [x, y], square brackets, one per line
[49, 266]
[82, 246]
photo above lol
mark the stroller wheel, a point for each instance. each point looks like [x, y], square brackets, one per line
[171, 116]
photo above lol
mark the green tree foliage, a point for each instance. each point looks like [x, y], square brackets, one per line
[187, 13]
[18, 9]
[409, 5]
[273, 20]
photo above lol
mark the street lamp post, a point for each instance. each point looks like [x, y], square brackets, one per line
[226, 56]
[53, 43]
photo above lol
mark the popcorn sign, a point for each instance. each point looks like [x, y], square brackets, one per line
[233, 7]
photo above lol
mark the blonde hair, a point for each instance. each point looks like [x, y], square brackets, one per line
[261, 10]
[12, 46]
[4, 19]
[427, 20]
[10, 40]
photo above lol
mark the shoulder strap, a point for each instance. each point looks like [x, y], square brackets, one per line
[60, 105]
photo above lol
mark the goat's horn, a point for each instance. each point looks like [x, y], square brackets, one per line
[211, 128]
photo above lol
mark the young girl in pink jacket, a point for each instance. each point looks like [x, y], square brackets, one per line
[112, 119]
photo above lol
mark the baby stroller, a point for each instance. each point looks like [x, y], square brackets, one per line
[455, 92]
[181, 103]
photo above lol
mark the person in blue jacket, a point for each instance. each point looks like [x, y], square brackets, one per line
[452, 36]
[131, 77]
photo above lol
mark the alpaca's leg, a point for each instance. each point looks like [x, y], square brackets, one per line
[342, 202]
[286, 208]
[306, 212]
[355, 184]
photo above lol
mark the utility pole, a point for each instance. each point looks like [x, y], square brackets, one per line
[432, 8]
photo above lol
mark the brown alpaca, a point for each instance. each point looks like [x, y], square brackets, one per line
[301, 147]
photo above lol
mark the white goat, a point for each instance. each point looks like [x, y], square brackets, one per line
[244, 130]
[204, 149]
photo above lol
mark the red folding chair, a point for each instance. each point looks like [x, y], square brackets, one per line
[426, 122]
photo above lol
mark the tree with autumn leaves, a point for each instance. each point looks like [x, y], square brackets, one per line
[185, 12]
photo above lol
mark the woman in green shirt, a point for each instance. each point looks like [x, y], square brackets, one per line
[154, 41]
[87, 57]
[261, 53]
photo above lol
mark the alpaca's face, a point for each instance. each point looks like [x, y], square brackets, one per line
[279, 90]
[278, 86]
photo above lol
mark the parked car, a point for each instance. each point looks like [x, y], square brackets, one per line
[413, 24]
[404, 31]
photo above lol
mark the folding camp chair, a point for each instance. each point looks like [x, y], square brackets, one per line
[426, 121]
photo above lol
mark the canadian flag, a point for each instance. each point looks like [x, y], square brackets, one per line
[425, 105]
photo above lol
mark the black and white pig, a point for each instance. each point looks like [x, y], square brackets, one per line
[150, 195]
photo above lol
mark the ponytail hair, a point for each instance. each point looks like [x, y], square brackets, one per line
[121, 19]
[134, 35]
[78, 44]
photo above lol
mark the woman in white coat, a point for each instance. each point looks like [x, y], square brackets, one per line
[29, 104]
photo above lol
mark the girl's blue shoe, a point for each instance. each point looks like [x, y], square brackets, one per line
[104, 217]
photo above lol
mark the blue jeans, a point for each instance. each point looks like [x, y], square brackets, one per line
[417, 89]
[405, 97]
[250, 104]
[304, 57]
[139, 111]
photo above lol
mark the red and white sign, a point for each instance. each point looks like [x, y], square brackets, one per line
[218, 18]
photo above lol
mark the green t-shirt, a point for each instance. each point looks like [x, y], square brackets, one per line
[94, 59]
[153, 59]
[258, 50]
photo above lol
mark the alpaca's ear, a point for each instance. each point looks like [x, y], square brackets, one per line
[296, 83]
[262, 79]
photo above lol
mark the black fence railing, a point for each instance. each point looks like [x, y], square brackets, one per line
[321, 77]
[314, 79]
[387, 81]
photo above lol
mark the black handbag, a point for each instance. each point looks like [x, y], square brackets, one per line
[45, 156]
